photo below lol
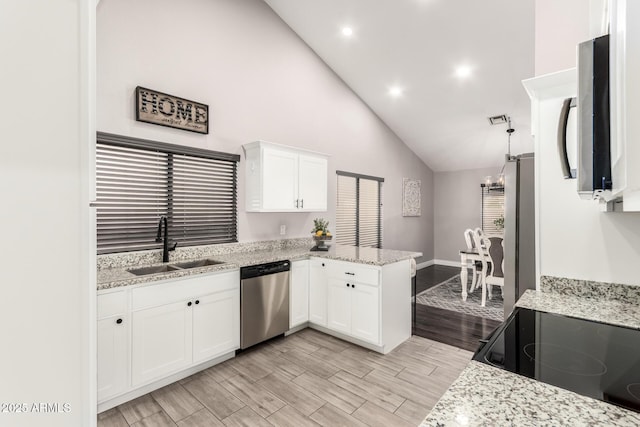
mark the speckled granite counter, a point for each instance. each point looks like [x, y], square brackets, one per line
[113, 270]
[487, 396]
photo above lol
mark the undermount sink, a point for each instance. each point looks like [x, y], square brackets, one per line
[173, 267]
[197, 263]
[153, 270]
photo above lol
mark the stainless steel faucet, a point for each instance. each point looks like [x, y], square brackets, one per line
[164, 239]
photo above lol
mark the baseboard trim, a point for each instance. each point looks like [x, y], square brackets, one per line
[447, 263]
[425, 264]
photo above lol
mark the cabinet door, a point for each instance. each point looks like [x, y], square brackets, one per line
[299, 293]
[365, 309]
[312, 183]
[279, 180]
[216, 324]
[318, 292]
[113, 353]
[161, 341]
[339, 305]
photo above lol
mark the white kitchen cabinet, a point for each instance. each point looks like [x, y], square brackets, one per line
[625, 103]
[366, 304]
[339, 305]
[365, 308]
[161, 338]
[299, 293]
[216, 325]
[169, 329]
[312, 183]
[112, 344]
[180, 323]
[318, 291]
[284, 179]
[353, 306]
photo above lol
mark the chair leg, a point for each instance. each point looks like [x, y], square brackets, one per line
[473, 280]
[484, 292]
[490, 291]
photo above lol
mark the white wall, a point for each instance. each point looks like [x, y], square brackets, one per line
[45, 306]
[560, 25]
[458, 206]
[260, 82]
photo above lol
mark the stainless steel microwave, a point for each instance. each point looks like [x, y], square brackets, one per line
[593, 163]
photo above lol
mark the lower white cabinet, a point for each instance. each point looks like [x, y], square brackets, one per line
[318, 291]
[353, 308]
[365, 312]
[161, 341]
[216, 325]
[165, 328]
[299, 293]
[112, 344]
[369, 304]
[339, 305]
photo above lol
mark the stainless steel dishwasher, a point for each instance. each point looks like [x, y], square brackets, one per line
[264, 302]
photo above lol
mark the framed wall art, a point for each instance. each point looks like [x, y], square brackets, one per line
[411, 201]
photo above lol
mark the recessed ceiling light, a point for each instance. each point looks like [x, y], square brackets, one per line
[347, 31]
[463, 72]
[395, 91]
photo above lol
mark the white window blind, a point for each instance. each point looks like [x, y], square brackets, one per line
[492, 207]
[138, 181]
[359, 210]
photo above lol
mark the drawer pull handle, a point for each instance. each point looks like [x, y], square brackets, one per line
[197, 301]
[189, 304]
[350, 274]
[119, 321]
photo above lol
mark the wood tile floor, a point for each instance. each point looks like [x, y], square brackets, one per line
[306, 379]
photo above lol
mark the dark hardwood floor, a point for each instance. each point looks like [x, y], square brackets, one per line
[449, 327]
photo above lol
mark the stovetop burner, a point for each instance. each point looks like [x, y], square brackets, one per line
[589, 358]
[565, 360]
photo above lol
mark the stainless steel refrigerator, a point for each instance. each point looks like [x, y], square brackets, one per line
[519, 229]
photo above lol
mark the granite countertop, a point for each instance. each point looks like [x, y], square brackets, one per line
[487, 396]
[118, 276]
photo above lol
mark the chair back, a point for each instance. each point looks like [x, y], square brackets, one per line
[496, 255]
[469, 240]
[492, 254]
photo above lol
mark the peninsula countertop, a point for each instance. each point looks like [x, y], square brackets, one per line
[487, 396]
[117, 274]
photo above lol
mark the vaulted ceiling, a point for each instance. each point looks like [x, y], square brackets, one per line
[407, 60]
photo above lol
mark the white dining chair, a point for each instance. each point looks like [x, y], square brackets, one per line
[476, 265]
[492, 259]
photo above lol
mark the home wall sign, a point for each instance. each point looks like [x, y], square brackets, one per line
[168, 110]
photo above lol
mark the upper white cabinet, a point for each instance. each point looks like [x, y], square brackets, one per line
[284, 179]
[625, 102]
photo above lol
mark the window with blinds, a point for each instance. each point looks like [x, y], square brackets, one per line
[492, 208]
[359, 210]
[138, 181]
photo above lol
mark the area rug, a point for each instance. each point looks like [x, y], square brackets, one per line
[448, 296]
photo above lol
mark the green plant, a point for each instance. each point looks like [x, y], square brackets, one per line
[499, 223]
[319, 224]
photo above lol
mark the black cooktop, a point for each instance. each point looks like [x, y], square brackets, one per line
[589, 358]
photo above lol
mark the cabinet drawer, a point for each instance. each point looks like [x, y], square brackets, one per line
[354, 272]
[182, 289]
[111, 304]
